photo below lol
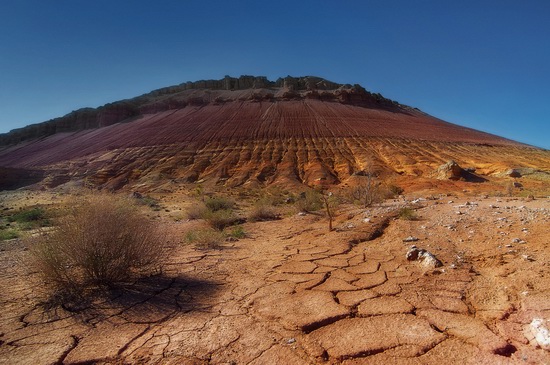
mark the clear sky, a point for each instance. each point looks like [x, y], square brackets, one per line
[483, 64]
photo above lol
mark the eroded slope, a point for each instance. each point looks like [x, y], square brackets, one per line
[292, 141]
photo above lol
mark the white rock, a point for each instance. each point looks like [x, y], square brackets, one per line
[539, 333]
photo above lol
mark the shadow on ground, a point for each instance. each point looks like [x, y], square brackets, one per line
[147, 300]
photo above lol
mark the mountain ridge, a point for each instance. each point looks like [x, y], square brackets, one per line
[257, 88]
[249, 130]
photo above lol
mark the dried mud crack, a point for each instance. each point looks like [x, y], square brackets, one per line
[308, 296]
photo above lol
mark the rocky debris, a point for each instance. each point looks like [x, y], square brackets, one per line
[538, 334]
[410, 239]
[426, 259]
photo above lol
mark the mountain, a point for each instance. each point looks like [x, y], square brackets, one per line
[249, 130]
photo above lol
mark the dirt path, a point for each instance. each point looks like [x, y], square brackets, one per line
[293, 293]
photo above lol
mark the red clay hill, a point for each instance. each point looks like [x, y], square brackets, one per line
[250, 130]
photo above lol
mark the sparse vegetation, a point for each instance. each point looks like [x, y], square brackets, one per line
[367, 192]
[8, 234]
[28, 219]
[104, 240]
[205, 238]
[215, 204]
[217, 211]
[392, 191]
[263, 210]
[221, 219]
[330, 202]
[408, 214]
[197, 211]
[237, 232]
[309, 201]
[150, 202]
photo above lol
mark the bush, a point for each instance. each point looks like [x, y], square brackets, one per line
[197, 211]
[367, 192]
[25, 216]
[310, 201]
[393, 191]
[218, 203]
[30, 218]
[262, 211]
[220, 219]
[205, 238]
[407, 213]
[103, 241]
[8, 234]
[237, 232]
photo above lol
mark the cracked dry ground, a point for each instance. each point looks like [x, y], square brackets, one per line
[292, 293]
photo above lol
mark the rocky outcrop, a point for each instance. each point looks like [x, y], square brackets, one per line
[449, 171]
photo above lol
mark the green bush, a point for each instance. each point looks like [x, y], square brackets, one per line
[30, 218]
[237, 232]
[310, 201]
[8, 234]
[30, 215]
[407, 213]
[102, 241]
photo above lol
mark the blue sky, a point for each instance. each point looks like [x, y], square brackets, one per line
[482, 64]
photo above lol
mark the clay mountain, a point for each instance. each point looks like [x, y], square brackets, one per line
[250, 130]
[254, 267]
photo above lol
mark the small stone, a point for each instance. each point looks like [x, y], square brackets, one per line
[427, 259]
[537, 333]
[410, 239]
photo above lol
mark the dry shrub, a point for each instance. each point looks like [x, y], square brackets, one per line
[197, 211]
[205, 238]
[407, 214]
[220, 219]
[215, 204]
[310, 201]
[263, 211]
[367, 192]
[102, 241]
